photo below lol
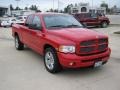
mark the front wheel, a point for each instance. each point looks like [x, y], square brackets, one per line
[18, 44]
[104, 24]
[51, 61]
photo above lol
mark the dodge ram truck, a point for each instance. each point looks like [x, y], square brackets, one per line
[62, 40]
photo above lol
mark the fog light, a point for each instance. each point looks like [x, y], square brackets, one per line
[72, 63]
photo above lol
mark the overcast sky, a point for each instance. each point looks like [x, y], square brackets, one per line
[46, 4]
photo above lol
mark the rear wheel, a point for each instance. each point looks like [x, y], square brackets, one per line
[18, 44]
[11, 24]
[51, 61]
[104, 24]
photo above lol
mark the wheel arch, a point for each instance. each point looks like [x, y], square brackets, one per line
[16, 34]
[104, 21]
[48, 46]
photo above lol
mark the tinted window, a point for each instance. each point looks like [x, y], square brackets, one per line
[93, 15]
[53, 21]
[29, 20]
[36, 22]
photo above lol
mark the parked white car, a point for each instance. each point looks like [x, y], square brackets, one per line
[8, 22]
[21, 19]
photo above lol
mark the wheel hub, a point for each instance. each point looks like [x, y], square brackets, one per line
[49, 60]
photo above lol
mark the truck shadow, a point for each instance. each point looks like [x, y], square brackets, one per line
[83, 71]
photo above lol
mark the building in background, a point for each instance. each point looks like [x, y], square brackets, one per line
[85, 8]
[115, 10]
[4, 10]
[22, 12]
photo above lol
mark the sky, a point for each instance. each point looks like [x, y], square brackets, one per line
[47, 4]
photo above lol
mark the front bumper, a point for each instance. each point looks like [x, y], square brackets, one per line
[76, 61]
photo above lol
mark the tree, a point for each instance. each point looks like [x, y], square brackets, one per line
[103, 4]
[51, 10]
[26, 8]
[56, 10]
[68, 8]
[17, 8]
[33, 7]
[11, 7]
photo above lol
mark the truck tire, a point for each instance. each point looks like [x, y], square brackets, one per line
[11, 24]
[104, 24]
[51, 61]
[18, 44]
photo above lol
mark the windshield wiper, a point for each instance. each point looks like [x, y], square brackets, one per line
[57, 26]
[72, 25]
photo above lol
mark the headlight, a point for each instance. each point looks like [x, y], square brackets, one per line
[67, 49]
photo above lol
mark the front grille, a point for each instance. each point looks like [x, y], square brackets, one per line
[87, 43]
[93, 46]
[102, 47]
[86, 49]
[103, 40]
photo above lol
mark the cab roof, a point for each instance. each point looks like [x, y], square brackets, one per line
[50, 13]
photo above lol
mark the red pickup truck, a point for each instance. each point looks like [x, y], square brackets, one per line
[62, 40]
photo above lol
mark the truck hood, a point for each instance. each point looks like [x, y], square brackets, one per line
[76, 34]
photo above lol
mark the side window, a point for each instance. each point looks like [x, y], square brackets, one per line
[94, 15]
[37, 23]
[29, 20]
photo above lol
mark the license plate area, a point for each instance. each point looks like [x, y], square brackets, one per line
[98, 64]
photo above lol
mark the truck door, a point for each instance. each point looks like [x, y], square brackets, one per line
[36, 34]
[25, 30]
[92, 20]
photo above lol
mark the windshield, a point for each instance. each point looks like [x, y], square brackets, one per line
[61, 21]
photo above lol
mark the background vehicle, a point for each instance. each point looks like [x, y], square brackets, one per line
[92, 19]
[62, 40]
[20, 19]
[8, 22]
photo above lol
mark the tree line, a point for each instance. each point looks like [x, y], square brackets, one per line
[65, 10]
[32, 7]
